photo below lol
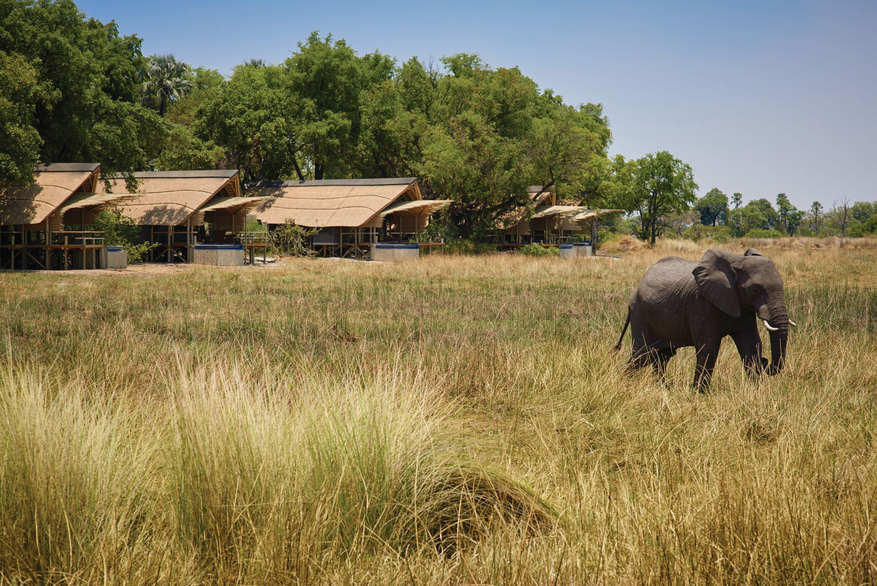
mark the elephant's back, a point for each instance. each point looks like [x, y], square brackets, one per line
[667, 281]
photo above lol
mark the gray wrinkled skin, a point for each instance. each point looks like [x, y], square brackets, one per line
[682, 303]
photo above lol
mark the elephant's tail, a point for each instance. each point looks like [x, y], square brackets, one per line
[624, 331]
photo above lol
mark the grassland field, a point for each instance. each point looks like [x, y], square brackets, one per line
[454, 420]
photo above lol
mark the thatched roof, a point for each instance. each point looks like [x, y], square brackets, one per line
[84, 200]
[232, 204]
[572, 213]
[169, 198]
[538, 195]
[416, 208]
[590, 214]
[53, 185]
[549, 211]
[331, 203]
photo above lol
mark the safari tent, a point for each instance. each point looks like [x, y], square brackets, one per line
[34, 219]
[351, 214]
[542, 221]
[178, 209]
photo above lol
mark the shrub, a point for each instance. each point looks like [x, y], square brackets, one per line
[700, 232]
[122, 231]
[292, 239]
[759, 233]
[466, 246]
[539, 250]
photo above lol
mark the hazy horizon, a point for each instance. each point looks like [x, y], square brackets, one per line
[758, 97]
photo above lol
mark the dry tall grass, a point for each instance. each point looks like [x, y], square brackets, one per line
[450, 420]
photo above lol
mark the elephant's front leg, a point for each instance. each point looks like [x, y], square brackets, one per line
[706, 363]
[748, 344]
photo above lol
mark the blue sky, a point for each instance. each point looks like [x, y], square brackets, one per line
[759, 97]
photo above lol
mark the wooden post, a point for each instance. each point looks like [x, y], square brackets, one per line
[48, 244]
[170, 243]
[189, 239]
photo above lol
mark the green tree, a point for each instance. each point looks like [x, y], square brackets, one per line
[84, 103]
[183, 150]
[203, 84]
[659, 185]
[758, 214]
[713, 208]
[790, 217]
[816, 217]
[483, 172]
[490, 133]
[328, 82]
[165, 80]
[249, 118]
[737, 200]
[568, 149]
[19, 141]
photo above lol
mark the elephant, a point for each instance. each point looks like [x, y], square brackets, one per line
[681, 303]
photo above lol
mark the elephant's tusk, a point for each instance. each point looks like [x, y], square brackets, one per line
[769, 327]
[791, 323]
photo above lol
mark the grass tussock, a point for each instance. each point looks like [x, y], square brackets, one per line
[266, 478]
[454, 420]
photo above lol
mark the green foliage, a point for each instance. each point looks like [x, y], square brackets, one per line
[761, 233]
[790, 217]
[713, 208]
[756, 215]
[816, 217]
[292, 239]
[122, 231]
[165, 80]
[248, 117]
[328, 81]
[19, 141]
[654, 186]
[468, 246]
[699, 232]
[185, 151]
[864, 222]
[83, 98]
[539, 250]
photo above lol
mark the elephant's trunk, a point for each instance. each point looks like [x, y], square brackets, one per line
[774, 311]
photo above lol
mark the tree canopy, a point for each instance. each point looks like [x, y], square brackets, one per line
[657, 185]
[713, 208]
[70, 92]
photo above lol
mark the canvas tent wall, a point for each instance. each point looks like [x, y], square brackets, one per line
[169, 205]
[32, 234]
[350, 213]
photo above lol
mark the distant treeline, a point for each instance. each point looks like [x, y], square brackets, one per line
[72, 89]
[713, 216]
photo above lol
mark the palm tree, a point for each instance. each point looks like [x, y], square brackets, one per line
[165, 80]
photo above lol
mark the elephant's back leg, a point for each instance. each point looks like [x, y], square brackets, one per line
[644, 342]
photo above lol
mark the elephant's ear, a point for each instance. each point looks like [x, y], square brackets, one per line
[752, 252]
[717, 282]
